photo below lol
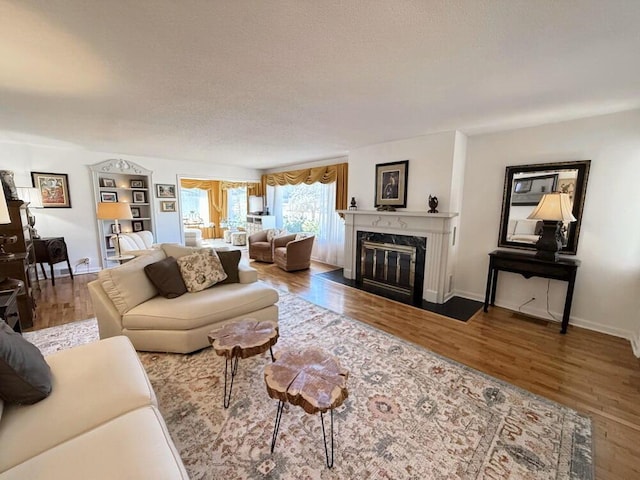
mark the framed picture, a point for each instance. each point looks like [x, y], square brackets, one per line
[108, 197]
[54, 188]
[114, 230]
[137, 184]
[138, 196]
[391, 184]
[169, 206]
[108, 182]
[165, 190]
[135, 212]
[137, 225]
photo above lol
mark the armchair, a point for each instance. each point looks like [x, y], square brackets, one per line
[291, 254]
[260, 247]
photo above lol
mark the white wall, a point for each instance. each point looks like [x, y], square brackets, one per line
[431, 160]
[77, 224]
[607, 294]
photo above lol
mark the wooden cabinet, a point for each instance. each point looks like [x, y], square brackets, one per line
[21, 265]
[9, 309]
[122, 181]
[51, 250]
[255, 223]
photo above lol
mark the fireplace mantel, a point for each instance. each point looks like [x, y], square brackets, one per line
[437, 228]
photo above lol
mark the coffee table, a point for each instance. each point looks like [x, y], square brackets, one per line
[242, 339]
[312, 379]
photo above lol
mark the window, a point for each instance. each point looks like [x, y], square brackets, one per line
[236, 206]
[195, 206]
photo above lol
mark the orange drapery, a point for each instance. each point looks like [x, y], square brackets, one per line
[214, 193]
[331, 173]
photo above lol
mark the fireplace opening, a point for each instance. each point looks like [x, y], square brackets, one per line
[391, 265]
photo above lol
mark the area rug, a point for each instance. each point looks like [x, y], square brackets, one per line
[410, 414]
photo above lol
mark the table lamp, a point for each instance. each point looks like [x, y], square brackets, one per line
[114, 211]
[32, 198]
[553, 210]
[5, 218]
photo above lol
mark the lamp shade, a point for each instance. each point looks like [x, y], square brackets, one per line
[4, 210]
[555, 207]
[113, 211]
[30, 195]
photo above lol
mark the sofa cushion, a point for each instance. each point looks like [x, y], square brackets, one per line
[135, 445]
[178, 251]
[274, 232]
[230, 260]
[166, 277]
[25, 377]
[201, 270]
[127, 285]
[194, 310]
[92, 384]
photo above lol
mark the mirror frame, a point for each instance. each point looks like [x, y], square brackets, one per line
[582, 166]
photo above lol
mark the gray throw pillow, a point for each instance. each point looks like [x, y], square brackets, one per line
[25, 376]
[230, 260]
[165, 276]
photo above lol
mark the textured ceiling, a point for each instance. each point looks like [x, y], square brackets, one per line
[268, 83]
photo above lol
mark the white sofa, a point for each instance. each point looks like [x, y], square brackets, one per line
[134, 241]
[126, 303]
[101, 421]
[522, 230]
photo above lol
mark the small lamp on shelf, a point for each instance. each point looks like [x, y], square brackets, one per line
[554, 209]
[33, 199]
[114, 211]
[5, 218]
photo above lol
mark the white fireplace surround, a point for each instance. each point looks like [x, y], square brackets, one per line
[437, 228]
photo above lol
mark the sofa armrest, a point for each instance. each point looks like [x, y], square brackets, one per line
[246, 273]
[109, 319]
[282, 240]
[260, 236]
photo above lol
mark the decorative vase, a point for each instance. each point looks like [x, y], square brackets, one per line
[433, 204]
[353, 205]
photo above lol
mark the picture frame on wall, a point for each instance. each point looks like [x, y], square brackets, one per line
[391, 184]
[136, 184]
[135, 212]
[108, 182]
[165, 190]
[138, 196]
[137, 225]
[54, 188]
[108, 197]
[168, 206]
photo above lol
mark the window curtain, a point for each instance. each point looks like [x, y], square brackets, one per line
[253, 188]
[214, 193]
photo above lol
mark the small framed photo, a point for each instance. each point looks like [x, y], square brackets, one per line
[165, 190]
[391, 184]
[108, 197]
[108, 182]
[137, 184]
[138, 196]
[169, 206]
[54, 188]
[137, 225]
[135, 212]
[109, 241]
[114, 230]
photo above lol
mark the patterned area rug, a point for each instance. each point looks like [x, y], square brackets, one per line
[410, 413]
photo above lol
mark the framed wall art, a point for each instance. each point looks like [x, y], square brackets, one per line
[137, 225]
[391, 184]
[136, 184]
[135, 212]
[165, 190]
[108, 182]
[168, 206]
[108, 197]
[138, 196]
[54, 188]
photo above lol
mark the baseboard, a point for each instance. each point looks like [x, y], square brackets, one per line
[574, 321]
[635, 344]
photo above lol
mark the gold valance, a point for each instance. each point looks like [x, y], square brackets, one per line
[331, 173]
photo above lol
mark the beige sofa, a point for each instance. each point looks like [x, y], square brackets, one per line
[126, 303]
[101, 421]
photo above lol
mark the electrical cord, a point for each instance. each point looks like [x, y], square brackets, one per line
[548, 311]
[525, 303]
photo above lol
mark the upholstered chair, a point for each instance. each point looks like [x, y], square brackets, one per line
[260, 247]
[291, 254]
[133, 242]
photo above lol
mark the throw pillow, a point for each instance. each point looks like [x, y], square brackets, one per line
[230, 260]
[166, 277]
[274, 232]
[201, 270]
[25, 376]
[303, 235]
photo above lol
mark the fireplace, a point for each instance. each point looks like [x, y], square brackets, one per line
[434, 256]
[391, 265]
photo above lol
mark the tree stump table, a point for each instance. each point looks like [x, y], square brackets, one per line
[311, 379]
[242, 339]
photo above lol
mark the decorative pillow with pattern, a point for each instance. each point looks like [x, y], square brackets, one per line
[201, 270]
[274, 232]
[303, 235]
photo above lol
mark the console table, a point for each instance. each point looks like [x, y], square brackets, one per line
[527, 265]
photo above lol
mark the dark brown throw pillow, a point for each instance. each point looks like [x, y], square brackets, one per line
[165, 276]
[25, 376]
[230, 260]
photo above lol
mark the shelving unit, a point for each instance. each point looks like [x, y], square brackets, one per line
[255, 223]
[112, 181]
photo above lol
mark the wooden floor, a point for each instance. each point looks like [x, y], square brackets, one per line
[593, 373]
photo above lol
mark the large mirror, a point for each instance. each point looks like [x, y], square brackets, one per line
[524, 186]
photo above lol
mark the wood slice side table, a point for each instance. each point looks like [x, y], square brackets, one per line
[242, 339]
[311, 379]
